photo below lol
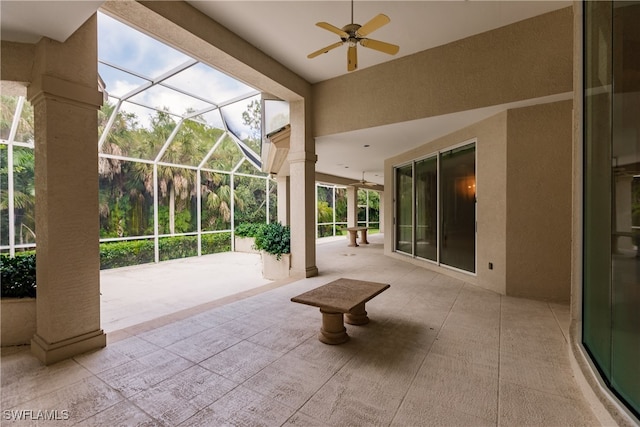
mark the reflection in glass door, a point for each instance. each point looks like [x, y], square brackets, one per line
[404, 209]
[458, 208]
[427, 208]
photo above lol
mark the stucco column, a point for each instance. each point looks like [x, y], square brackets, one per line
[284, 184]
[302, 159]
[381, 211]
[65, 99]
[352, 206]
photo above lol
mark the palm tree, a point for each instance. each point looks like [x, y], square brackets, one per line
[23, 170]
[24, 197]
[216, 200]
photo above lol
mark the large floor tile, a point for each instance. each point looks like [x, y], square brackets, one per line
[116, 354]
[145, 372]
[458, 386]
[550, 376]
[79, 401]
[333, 357]
[284, 336]
[290, 380]
[173, 332]
[203, 345]
[25, 378]
[247, 325]
[183, 395]
[418, 411]
[242, 408]
[301, 420]
[349, 399]
[521, 406]
[241, 361]
[123, 414]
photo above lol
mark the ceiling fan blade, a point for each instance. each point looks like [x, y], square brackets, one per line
[375, 23]
[333, 29]
[389, 48]
[352, 58]
[325, 49]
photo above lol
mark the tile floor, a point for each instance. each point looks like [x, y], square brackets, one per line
[437, 351]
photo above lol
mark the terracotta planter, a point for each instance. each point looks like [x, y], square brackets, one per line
[245, 244]
[18, 321]
[274, 269]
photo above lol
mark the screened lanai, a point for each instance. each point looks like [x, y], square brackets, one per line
[179, 154]
[179, 158]
[179, 149]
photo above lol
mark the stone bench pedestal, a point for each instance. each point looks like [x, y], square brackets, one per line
[341, 301]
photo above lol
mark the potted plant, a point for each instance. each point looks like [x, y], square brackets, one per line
[244, 237]
[18, 299]
[274, 243]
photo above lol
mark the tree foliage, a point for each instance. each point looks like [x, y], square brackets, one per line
[126, 187]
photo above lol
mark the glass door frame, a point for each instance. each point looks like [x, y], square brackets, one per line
[396, 205]
[437, 154]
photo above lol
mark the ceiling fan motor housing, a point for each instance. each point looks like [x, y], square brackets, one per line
[352, 30]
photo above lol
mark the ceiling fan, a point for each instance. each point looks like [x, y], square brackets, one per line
[352, 34]
[363, 183]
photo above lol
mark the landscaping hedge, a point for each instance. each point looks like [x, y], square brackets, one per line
[134, 252]
[18, 276]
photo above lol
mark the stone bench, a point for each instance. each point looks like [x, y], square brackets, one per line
[341, 297]
[353, 235]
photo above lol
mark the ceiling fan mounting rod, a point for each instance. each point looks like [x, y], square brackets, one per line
[352, 11]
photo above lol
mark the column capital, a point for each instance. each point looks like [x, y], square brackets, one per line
[302, 156]
[48, 86]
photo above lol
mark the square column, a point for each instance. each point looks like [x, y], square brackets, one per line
[302, 159]
[381, 211]
[352, 206]
[65, 97]
[284, 189]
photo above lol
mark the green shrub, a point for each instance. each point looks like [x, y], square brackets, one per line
[274, 238]
[249, 229]
[178, 247]
[18, 276]
[215, 243]
[134, 252]
[125, 253]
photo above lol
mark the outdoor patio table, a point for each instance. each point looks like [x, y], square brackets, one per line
[342, 296]
[353, 235]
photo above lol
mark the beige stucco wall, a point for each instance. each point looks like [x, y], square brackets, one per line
[17, 61]
[490, 136]
[539, 158]
[523, 183]
[528, 59]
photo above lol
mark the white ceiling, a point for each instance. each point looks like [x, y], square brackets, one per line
[286, 31]
[27, 21]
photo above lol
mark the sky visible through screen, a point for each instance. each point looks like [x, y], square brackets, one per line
[145, 59]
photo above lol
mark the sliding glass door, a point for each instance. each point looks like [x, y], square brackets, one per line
[427, 208]
[404, 209]
[436, 208]
[458, 208]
